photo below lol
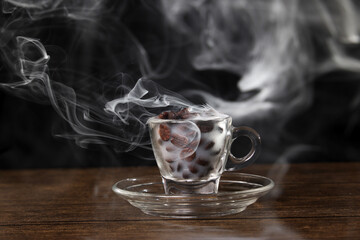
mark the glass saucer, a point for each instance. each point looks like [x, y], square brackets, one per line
[236, 192]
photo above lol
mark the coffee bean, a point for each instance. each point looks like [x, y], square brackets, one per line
[193, 169]
[179, 167]
[169, 160]
[186, 116]
[202, 162]
[169, 149]
[164, 132]
[192, 134]
[205, 127]
[186, 175]
[164, 115]
[183, 112]
[171, 115]
[193, 145]
[191, 157]
[185, 152]
[179, 141]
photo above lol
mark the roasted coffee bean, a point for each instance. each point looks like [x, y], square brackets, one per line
[191, 157]
[186, 116]
[202, 162]
[169, 149]
[179, 167]
[183, 112]
[171, 115]
[205, 126]
[193, 145]
[164, 132]
[186, 152]
[191, 134]
[179, 141]
[164, 115]
[193, 169]
[209, 145]
[186, 175]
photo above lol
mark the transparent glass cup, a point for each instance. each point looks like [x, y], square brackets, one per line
[191, 154]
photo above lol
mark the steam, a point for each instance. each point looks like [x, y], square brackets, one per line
[33, 59]
[125, 132]
[131, 109]
[270, 45]
[271, 51]
[78, 10]
[145, 94]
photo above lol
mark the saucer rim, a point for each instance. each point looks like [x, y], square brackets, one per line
[256, 191]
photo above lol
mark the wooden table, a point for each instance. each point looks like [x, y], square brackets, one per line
[310, 201]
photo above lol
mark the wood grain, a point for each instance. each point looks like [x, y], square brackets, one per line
[310, 201]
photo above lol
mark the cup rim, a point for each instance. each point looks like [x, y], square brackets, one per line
[156, 119]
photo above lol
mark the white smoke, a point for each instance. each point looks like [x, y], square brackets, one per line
[269, 45]
[132, 109]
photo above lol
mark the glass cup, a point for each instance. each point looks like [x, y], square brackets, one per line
[191, 154]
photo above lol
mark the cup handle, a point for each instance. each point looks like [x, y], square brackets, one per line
[255, 142]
